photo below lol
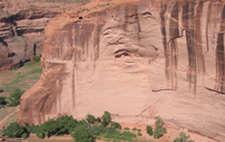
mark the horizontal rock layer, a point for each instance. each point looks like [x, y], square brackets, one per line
[137, 60]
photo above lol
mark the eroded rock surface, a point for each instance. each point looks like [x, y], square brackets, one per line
[135, 59]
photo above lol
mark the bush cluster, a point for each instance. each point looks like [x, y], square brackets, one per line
[13, 99]
[82, 131]
[159, 128]
[61, 126]
[37, 58]
[149, 130]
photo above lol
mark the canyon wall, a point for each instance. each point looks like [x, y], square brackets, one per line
[22, 24]
[136, 59]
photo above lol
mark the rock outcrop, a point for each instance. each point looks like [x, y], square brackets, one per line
[136, 59]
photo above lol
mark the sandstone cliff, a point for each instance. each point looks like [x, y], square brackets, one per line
[22, 24]
[136, 59]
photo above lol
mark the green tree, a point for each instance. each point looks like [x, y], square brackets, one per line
[62, 125]
[81, 134]
[98, 120]
[116, 125]
[14, 130]
[65, 125]
[3, 101]
[159, 129]
[183, 138]
[37, 58]
[149, 130]
[47, 129]
[31, 128]
[90, 119]
[106, 118]
[15, 97]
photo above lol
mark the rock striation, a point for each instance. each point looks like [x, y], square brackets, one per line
[136, 59]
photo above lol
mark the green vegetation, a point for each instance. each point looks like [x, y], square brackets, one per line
[103, 5]
[183, 138]
[31, 128]
[88, 130]
[159, 129]
[139, 134]
[15, 97]
[149, 130]
[22, 78]
[81, 134]
[61, 126]
[81, 131]
[34, 78]
[90, 119]
[116, 125]
[106, 118]
[114, 134]
[13, 100]
[134, 129]
[3, 101]
[37, 58]
[14, 130]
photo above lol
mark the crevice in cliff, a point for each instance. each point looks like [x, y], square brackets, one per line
[170, 47]
[188, 12]
[159, 90]
[220, 59]
[207, 24]
[198, 37]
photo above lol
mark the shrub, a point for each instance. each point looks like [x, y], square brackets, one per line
[65, 125]
[3, 101]
[40, 135]
[183, 138]
[114, 134]
[149, 130]
[106, 118]
[96, 130]
[127, 128]
[15, 97]
[134, 129]
[159, 129]
[81, 134]
[90, 119]
[37, 58]
[139, 134]
[31, 129]
[14, 130]
[25, 135]
[62, 125]
[98, 120]
[139, 130]
[115, 125]
[47, 129]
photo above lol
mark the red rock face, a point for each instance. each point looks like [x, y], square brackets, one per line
[136, 60]
[22, 24]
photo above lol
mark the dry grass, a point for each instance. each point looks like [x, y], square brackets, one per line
[6, 111]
